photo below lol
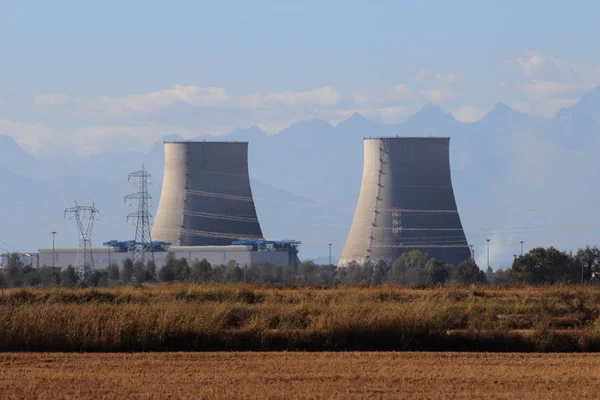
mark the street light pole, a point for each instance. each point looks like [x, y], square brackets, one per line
[330, 254]
[488, 253]
[522, 247]
[53, 249]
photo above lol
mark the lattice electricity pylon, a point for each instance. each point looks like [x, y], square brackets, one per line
[85, 216]
[143, 240]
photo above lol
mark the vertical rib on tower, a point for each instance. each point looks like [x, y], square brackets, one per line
[206, 198]
[406, 202]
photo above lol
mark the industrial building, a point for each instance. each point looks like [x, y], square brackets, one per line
[206, 199]
[406, 202]
[244, 253]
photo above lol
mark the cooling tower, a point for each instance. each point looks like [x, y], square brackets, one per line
[406, 202]
[206, 198]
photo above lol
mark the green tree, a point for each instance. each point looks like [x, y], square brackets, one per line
[307, 271]
[380, 272]
[588, 260]
[103, 280]
[31, 277]
[113, 272]
[126, 271]
[179, 267]
[325, 274]
[366, 273]
[437, 272]
[68, 277]
[352, 274]
[233, 273]
[468, 272]
[94, 277]
[171, 261]
[182, 271]
[165, 274]
[410, 268]
[151, 269]
[545, 266]
[501, 277]
[49, 276]
[220, 272]
[14, 269]
[140, 273]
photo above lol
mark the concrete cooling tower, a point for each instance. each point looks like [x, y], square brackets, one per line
[206, 198]
[406, 202]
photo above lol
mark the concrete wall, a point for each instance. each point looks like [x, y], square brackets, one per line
[206, 199]
[401, 176]
[215, 255]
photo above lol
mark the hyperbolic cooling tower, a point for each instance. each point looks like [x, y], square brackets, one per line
[406, 202]
[206, 198]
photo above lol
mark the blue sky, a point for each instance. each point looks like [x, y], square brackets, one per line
[100, 73]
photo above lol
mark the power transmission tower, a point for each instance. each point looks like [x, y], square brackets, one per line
[85, 216]
[143, 239]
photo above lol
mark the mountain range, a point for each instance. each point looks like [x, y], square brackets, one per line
[516, 177]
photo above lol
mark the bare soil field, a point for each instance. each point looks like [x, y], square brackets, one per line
[299, 375]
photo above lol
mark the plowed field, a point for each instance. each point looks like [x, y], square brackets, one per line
[299, 375]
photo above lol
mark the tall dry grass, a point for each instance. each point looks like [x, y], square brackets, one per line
[244, 317]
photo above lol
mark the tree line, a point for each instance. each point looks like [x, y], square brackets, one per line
[413, 268]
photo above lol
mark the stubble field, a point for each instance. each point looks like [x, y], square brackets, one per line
[299, 375]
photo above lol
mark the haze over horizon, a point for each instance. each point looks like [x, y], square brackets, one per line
[84, 83]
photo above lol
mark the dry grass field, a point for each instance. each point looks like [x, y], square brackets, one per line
[245, 317]
[299, 375]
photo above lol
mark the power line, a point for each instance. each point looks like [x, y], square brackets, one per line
[424, 211]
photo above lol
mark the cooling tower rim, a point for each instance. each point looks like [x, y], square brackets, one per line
[203, 141]
[407, 137]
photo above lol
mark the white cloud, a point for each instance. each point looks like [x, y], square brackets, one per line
[437, 95]
[399, 93]
[533, 62]
[433, 87]
[542, 107]
[444, 79]
[195, 96]
[469, 113]
[392, 114]
[32, 136]
[51, 99]
[193, 111]
[550, 83]
[139, 104]
[97, 139]
[324, 96]
[539, 88]
[387, 115]
[43, 140]
[538, 66]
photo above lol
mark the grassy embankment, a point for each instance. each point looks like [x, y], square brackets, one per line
[242, 317]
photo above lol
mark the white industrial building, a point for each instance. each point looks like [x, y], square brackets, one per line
[242, 254]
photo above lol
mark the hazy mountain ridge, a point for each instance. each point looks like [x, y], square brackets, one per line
[311, 172]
